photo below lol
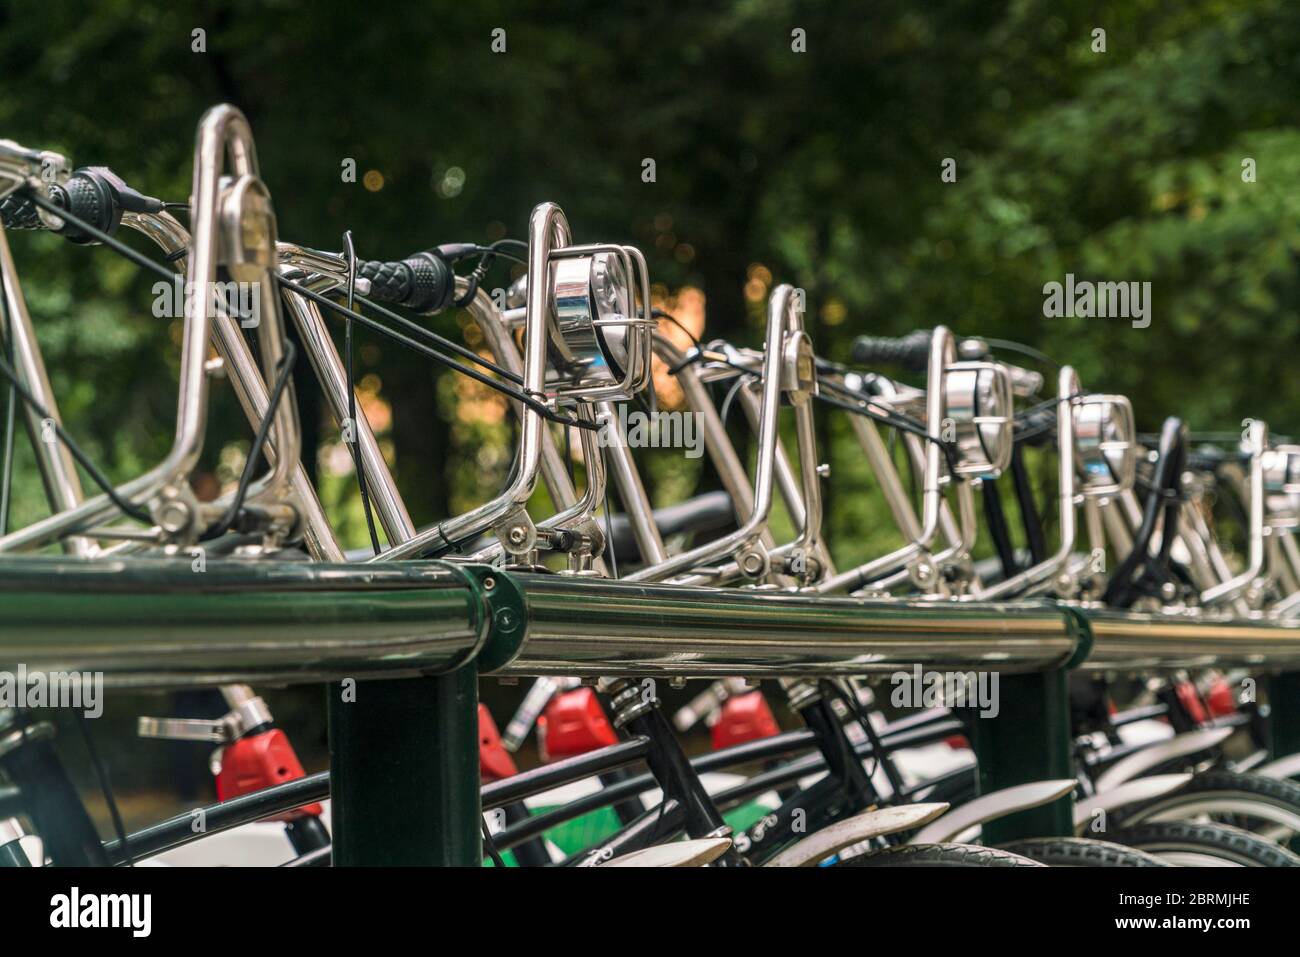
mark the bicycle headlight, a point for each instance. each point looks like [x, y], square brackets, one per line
[978, 417]
[598, 346]
[1105, 443]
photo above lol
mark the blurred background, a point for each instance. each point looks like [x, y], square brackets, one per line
[821, 168]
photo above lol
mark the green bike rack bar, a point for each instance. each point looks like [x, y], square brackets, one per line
[404, 779]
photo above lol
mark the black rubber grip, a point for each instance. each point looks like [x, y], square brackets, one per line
[911, 352]
[423, 282]
[17, 211]
[89, 198]
[94, 194]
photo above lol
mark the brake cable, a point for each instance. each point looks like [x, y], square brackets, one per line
[349, 251]
[518, 395]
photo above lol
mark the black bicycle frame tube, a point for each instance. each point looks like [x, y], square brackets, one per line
[1030, 520]
[528, 783]
[1121, 590]
[50, 799]
[671, 768]
[996, 520]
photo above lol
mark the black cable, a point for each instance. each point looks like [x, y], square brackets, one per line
[443, 342]
[490, 844]
[878, 750]
[98, 477]
[660, 314]
[485, 261]
[520, 396]
[350, 253]
[609, 525]
[222, 525]
[101, 773]
[1012, 346]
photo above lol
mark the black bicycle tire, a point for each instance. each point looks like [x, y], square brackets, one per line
[940, 855]
[1218, 840]
[1082, 852]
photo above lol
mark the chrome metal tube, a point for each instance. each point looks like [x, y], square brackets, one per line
[57, 468]
[779, 309]
[154, 623]
[547, 230]
[1067, 387]
[1258, 441]
[588, 627]
[331, 374]
[250, 388]
[1132, 643]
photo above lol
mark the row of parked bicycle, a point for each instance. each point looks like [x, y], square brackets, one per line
[1175, 768]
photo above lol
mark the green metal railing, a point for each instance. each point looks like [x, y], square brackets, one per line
[400, 648]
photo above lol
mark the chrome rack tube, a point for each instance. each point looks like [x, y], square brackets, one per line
[1130, 642]
[58, 471]
[547, 230]
[331, 374]
[1067, 387]
[152, 623]
[222, 127]
[1257, 441]
[780, 310]
[587, 627]
[250, 388]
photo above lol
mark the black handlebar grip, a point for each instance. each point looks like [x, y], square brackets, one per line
[911, 352]
[423, 282]
[17, 211]
[94, 194]
[90, 199]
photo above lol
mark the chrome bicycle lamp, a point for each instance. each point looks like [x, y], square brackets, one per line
[1105, 442]
[978, 417]
[598, 342]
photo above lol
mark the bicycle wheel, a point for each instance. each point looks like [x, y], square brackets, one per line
[940, 855]
[1238, 799]
[1082, 852]
[1205, 845]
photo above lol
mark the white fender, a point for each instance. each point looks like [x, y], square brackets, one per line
[815, 848]
[678, 854]
[997, 804]
[1176, 747]
[1287, 767]
[1130, 792]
